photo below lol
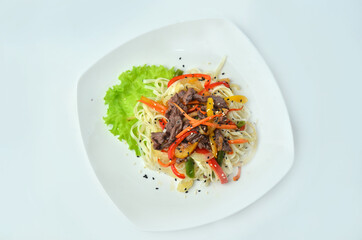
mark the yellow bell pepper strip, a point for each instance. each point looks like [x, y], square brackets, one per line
[154, 105]
[238, 141]
[177, 173]
[213, 144]
[218, 170]
[184, 152]
[173, 161]
[209, 107]
[237, 98]
[237, 176]
[196, 75]
[172, 148]
[190, 168]
[197, 123]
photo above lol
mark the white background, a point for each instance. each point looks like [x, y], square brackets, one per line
[47, 187]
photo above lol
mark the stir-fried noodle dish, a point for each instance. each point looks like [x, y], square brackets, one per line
[191, 126]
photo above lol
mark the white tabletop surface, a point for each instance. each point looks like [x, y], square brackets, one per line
[48, 188]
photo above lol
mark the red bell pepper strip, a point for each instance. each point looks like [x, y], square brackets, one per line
[202, 150]
[162, 122]
[154, 105]
[196, 75]
[218, 170]
[171, 150]
[212, 85]
[177, 173]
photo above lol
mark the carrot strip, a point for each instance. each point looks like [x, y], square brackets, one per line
[235, 109]
[192, 109]
[238, 141]
[154, 105]
[237, 176]
[185, 114]
[166, 164]
[193, 102]
[222, 126]
[197, 123]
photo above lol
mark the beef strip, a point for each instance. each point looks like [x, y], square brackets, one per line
[219, 102]
[192, 138]
[158, 139]
[189, 95]
[173, 127]
[204, 143]
[221, 143]
[200, 98]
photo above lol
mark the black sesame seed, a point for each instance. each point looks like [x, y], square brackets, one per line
[175, 179]
[223, 73]
[179, 58]
[204, 180]
[153, 178]
[199, 190]
[156, 188]
[145, 176]
[183, 65]
[186, 191]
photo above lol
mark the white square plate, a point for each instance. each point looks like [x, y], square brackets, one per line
[199, 43]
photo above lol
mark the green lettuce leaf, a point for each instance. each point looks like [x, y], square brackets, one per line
[122, 98]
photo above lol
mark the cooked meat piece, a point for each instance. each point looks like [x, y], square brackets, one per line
[172, 110]
[226, 146]
[192, 138]
[221, 143]
[173, 127]
[219, 102]
[188, 96]
[204, 143]
[200, 98]
[181, 94]
[158, 139]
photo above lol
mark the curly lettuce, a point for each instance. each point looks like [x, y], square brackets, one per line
[122, 98]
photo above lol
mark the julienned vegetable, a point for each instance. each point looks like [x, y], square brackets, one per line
[175, 79]
[218, 170]
[190, 169]
[154, 105]
[171, 150]
[176, 172]
[220, 157]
